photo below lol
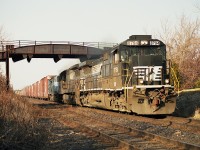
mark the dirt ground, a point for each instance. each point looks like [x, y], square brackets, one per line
[63, 137]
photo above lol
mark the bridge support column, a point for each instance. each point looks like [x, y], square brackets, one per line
[7, 68]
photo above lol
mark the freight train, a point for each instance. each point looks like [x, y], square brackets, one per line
[133, 76]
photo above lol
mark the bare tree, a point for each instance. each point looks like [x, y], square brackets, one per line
[2, 34]
[197, 6]
[183, 46]
[3, 37]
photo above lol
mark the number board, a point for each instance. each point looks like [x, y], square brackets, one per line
[143, 42]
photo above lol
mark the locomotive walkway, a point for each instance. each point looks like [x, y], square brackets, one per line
[23, 49]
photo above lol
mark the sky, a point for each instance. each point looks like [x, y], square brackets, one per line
[81, 21]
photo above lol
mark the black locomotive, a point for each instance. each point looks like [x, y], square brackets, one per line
[133, 76]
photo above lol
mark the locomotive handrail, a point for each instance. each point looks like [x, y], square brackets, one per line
[176, 81]
[130, 77]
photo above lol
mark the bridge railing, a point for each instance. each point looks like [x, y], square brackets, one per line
[22, 43]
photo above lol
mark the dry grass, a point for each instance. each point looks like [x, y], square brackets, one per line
[20, 126]
[197, 114]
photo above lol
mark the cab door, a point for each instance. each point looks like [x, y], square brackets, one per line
[116, 70]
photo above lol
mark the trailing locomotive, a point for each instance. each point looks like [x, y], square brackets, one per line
[133, 76]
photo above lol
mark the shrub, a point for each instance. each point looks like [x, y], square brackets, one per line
[197, 83]
[19, 122]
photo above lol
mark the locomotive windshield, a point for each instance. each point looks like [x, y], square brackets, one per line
[128, 51]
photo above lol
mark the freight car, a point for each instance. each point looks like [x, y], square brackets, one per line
[133, 76]
[46, 88]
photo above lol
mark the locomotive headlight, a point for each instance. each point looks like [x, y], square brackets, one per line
[141, 81]
[166, 81]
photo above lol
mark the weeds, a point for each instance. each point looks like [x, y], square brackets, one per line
[20, 127]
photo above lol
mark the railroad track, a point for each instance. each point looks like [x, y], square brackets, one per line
[122, 136]
[182, 124]
[183, 121]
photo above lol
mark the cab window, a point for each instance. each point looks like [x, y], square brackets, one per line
[116, 56]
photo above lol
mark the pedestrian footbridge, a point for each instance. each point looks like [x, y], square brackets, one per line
[19, 50]
[23, 49]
